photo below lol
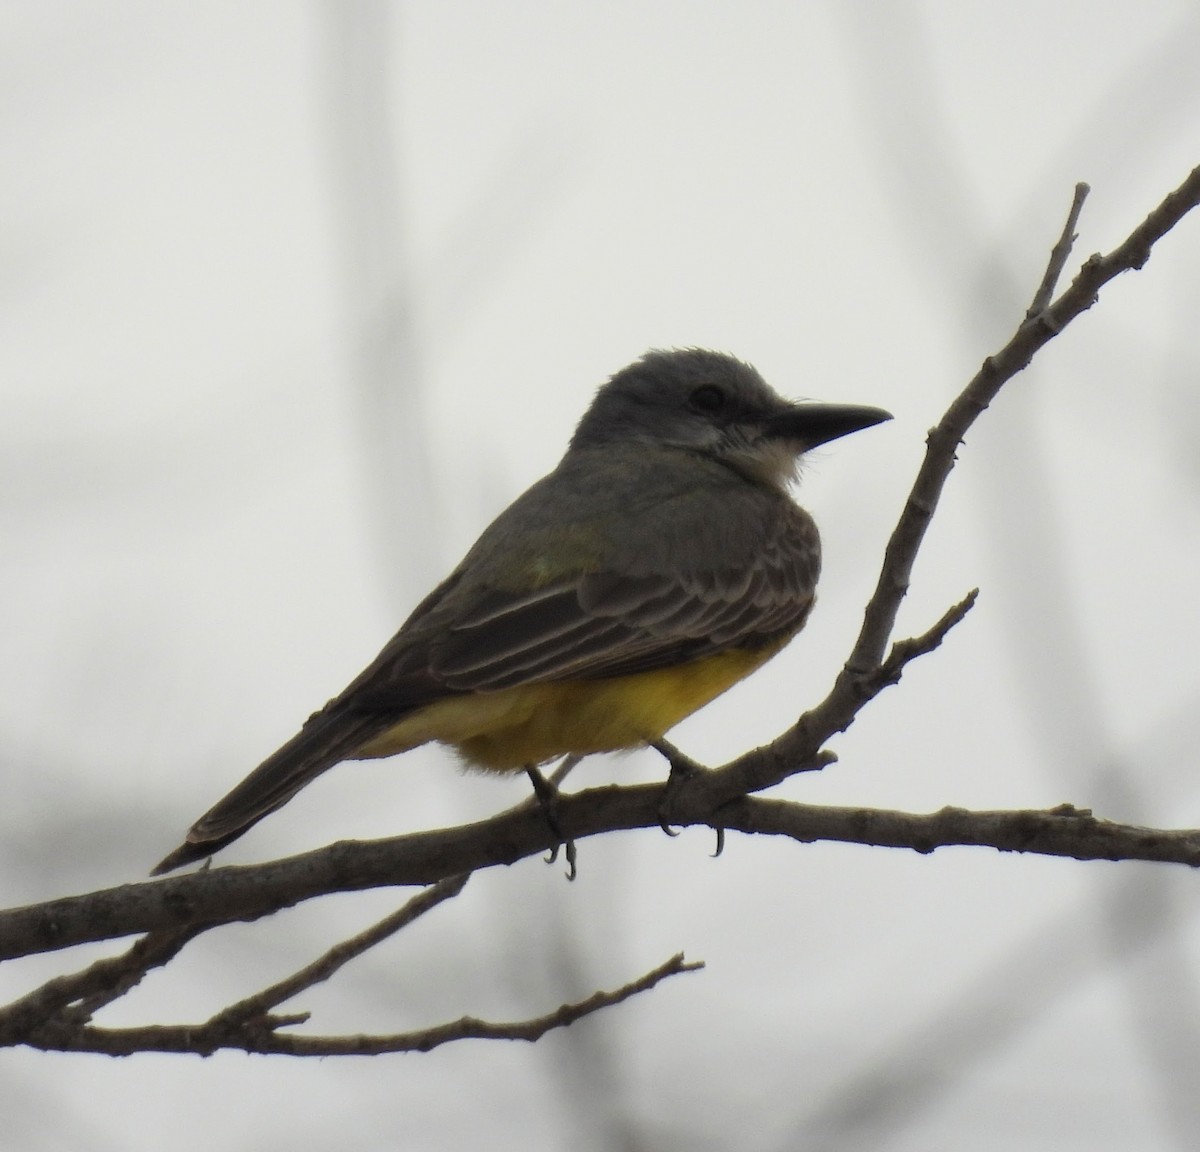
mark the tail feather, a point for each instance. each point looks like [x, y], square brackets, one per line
[328, 738]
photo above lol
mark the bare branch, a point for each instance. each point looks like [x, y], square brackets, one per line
[81, 994]
[262, 1034]
[75, 999]
[860, 680]
[995, 372]
[1061, 831]
[1059, 255]
[223, 895]
[904, 651]
[253, 891]
[257, 1006]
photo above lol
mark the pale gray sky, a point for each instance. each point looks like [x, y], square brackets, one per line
[295, 297]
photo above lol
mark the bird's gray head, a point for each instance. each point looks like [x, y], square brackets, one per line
[716, 405]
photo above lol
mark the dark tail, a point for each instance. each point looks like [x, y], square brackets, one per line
[329, 737]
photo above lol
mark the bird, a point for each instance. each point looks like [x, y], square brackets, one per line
[662, 561]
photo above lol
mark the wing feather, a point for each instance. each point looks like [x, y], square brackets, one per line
[617, 622]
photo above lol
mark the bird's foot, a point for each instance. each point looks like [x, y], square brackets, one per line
[683, 770]
[547, 797]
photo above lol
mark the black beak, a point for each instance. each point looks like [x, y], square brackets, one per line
[813, 424]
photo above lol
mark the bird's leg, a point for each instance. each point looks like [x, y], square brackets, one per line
[547, 798]
[566, 766]
[683, 769]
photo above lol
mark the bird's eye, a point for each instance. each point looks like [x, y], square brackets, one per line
[707, 399]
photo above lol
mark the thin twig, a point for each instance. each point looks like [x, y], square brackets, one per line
[797, 750]
[81, 994]
[996, 371]
[905, 651]
[1062, 831]
[258, 1005]
[1059, 255]
[262, 1036]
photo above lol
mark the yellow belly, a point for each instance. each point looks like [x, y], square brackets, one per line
[505, 731]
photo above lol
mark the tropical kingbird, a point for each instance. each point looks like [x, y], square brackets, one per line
[661, 562]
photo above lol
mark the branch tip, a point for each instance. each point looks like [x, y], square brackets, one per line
[1059, 255]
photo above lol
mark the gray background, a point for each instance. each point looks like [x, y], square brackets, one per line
[295, 297]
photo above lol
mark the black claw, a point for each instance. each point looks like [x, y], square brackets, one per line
[569, 853]
[720, 842]
[547, 797]
[683, 769]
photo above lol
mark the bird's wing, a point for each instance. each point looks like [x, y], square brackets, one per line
[654, 612]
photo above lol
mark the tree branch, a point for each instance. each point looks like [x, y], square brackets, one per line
[80, 994]
[860, 680]
[248, 892]
[1059, 255]
[261, 1033]
[256, 1007]
[1062, 831]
